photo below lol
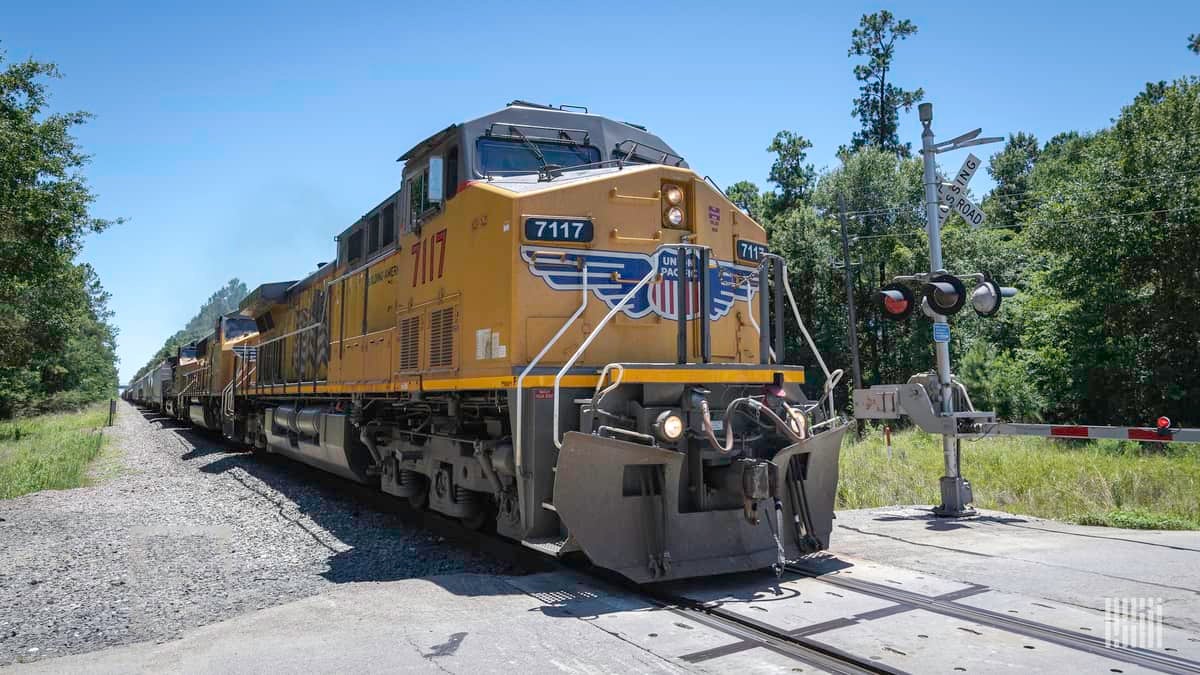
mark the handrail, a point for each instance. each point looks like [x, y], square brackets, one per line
[750, 313]
[600, 327]
[632, 152]
[517, 444]
[831, 379]
[618, 279]
[587, 343]
[615, 193]
[654, 238]
[277, 338]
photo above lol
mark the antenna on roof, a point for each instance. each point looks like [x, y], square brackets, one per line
[528, 104]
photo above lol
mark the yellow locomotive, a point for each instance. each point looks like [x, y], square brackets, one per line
[554, 327]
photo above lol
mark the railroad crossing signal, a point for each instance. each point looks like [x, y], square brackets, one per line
[942, 295]
[986, 297]
[945, 295]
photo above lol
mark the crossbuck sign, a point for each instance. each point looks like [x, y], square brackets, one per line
[954, 194]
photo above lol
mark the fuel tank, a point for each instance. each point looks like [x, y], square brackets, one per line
[319, 438]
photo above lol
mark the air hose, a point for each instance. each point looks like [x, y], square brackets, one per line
[796, 428]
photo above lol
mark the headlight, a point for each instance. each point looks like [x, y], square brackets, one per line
[673, 195]
[675, 216]
[668, 426]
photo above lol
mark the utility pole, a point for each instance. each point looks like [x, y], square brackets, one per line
[849, 269]
[956, 492]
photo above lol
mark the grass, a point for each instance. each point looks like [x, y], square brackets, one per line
[1111, 483]
[49, 452]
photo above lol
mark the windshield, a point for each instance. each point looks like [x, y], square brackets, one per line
[236, 327]
[513, 156]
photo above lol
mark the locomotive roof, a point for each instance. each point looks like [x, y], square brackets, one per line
[601, 131]
[263, 297]
[323, 268]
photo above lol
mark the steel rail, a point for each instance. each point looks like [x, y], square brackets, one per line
[804, 649]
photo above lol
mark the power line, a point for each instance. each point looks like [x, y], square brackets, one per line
[1068, 221]
[1135, 181]
[1148, 179]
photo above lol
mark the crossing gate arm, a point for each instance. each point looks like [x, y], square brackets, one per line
[892, 401]
[1145, 434]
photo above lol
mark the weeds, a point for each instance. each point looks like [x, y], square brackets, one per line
[49, 452]
[1118, 484]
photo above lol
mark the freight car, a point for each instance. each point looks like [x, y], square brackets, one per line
[153, 389]
[555, 328]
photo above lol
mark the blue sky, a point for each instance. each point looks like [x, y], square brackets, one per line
[238, 138]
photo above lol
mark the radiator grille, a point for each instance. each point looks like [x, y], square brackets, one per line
[410, 344]
[441, 338]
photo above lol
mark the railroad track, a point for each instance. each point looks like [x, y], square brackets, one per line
[713, 616]
[1091, 644]
[805, 650]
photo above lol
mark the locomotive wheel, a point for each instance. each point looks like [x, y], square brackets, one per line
[484, 519]
[420, 500]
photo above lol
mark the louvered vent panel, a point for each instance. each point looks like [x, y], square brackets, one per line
[441, 338]
[410, 344]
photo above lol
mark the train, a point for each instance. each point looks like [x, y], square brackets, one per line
[554, 329]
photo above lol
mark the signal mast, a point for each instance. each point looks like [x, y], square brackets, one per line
[931, 403]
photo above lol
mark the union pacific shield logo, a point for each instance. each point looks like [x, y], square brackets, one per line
[611, 275]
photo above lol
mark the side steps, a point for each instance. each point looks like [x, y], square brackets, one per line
[553, 546]
[556, 545]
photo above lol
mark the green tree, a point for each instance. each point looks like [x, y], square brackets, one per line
[1010, 168]
[790, 171]
[1194, 43]
[879, 102]
[53, 315]
[1114, 328]
[746, 196]
[999, 382]
[883, 196]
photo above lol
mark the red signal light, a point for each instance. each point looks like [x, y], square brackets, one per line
[895, 305]
[897, 301]
[1164, 423]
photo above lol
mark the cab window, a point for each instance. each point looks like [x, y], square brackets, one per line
[373, 233]
[451, 182]
[236, 327]
[354, 247]
[416, 197]
[512, 156]
[387, 225]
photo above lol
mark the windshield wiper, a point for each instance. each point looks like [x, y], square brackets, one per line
[548, 171]
[575, 147]
[537, 152]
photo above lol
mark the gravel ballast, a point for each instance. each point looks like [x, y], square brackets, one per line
[187, 533]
